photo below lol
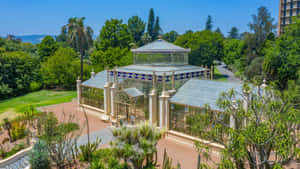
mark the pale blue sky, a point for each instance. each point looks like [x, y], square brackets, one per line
[23, 17]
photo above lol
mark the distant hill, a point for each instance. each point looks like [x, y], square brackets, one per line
[32, 38]
[36, 38]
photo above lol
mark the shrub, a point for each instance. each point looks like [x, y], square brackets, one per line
[35, 86]
[39, 157]
[18, 131]
[88, 149]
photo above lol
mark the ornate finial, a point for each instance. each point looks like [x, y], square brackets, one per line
[264, 85]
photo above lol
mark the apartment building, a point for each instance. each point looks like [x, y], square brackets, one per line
[287, 10]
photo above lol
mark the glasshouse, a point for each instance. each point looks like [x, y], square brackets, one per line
[160, 87]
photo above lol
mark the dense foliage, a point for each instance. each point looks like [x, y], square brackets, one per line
[62, 69]
[18, 71]
[47, 48]
[206, 46]
[261, 131]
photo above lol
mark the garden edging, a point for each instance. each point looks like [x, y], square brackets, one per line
[15, 157]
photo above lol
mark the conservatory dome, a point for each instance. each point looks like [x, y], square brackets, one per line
[160, 53]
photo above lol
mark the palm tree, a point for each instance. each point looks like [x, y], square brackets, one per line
[79, 38]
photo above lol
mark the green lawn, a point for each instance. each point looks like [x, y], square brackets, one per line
[218, 76]
[37, 99]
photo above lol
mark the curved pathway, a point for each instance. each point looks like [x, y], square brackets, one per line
[227, 73]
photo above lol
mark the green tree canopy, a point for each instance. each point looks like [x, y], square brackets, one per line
[47, 48]
[206, 46]
[110, 58]
[282, 60]
[233, 50]
[114, 34]
[62, 69]
[136, 27]
[170, 36]
[17, 71]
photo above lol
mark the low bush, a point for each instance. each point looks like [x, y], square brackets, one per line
[87, 150]
[39, 157]
[105, 159]
[35, 86]
[18, 131]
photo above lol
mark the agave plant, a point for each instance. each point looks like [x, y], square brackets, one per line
[136, 145]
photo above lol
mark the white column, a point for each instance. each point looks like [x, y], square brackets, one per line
[107, 100]
[78, 91]
[164, 110]
[153, 108]
[167, 112]
[232, 122]
[150, 110]
[93, 74]
[161, 113]
[112, 100]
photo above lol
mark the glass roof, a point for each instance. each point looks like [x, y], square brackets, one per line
[160, 46]
[159, 70]
[133, 92]
[198, 93]
[98, 81]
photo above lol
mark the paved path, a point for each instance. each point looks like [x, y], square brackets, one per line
[104, 134]
[21, 163]
[227, 73]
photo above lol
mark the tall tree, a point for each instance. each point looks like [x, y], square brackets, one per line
[151, 20]
[157, 29]
[47, 48]
[136, 27]
[114, 34]
[62, 37]
[79, 38]
[208, 25]
[233, 33]
[262, 25]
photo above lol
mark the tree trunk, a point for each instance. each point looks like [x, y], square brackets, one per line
[81, 64]
[9, 135]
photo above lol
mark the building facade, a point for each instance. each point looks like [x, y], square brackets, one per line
[287, 10]
[160, 87]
